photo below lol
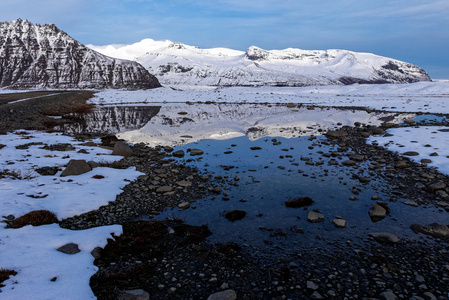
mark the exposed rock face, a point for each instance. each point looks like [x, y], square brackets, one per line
[176, 63]
[42, 56]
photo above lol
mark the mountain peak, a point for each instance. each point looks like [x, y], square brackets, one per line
[256, 53]
[43, 56]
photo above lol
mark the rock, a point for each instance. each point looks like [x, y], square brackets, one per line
[184, 183]
[224, 295]
[70, 248]
[76, 167]
[377, 212]
[349, 162]
[385, 237]
[137, 294]
[388, 296]
[179, 153]
[426, 161]
[255, 148]
[196, 152]
[411, 203]
[47, 171]
[429, 296]
[336, 133]
[183, 205]
[340, 223]
[316, 295]
[122, 149]
[400, 164]
[364, 179]
[57, 61]
[437, 186]
[434, 229]
[93, 164]
[409, 121]
[164, 189]
[411, 153]
[315, 217]
[311, 285]
[96, 252]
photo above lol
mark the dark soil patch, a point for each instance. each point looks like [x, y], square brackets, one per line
[235, 215]
[36, 113]
[5, 274]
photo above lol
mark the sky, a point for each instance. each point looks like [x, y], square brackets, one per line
[415, 31]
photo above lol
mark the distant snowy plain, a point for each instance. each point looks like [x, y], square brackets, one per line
[31, 251]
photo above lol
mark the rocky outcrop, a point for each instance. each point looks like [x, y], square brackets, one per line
[42, 56]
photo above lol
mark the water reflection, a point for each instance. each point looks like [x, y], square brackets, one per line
[111, 120]
[178, 125]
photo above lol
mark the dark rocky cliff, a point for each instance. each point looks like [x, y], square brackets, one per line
[42, 56]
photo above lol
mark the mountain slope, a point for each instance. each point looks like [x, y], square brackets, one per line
[176, 63]
[42, 56]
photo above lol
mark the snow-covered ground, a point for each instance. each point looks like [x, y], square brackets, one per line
[31, 251]
[428, 97]
[430, 142]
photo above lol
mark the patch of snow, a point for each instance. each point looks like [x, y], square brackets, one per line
[425, 140]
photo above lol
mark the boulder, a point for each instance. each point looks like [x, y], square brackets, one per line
[179, 153]
[385, 237]
[76, 167]
[377, 212]
[122, 148]
[340, 223]
[315, 217]
[196, 152]
[434, 229]
[70, 248]
[137, 294]
[224, 295]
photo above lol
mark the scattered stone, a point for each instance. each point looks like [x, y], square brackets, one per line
[137, 294]
[434, 229]
[184, 205]
[76, 167]
[411, 153]
[437, 186]
[47, 171]
[377, 212]
[224, 295]
[426, 161]
[336, 133]
[340, 223]
[255, 148]
[364, 179]
[411, 203]
[164, 189]
[315, 217]
[349, 163]
[388, 296]
[184, 183]
[311, 285]
[196, 152]
[122, 149]
[385, 237]
[179, 153]
[70, 248]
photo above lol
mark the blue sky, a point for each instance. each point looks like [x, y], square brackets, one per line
[415, 31]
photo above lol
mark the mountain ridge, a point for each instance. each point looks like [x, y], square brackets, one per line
[177, 63]
[43, 56]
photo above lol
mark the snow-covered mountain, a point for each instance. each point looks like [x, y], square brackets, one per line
[176, 63]
[42, 56]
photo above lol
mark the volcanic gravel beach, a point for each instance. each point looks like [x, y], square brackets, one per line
[169, 259]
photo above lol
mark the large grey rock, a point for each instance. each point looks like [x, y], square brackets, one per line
[122, 149]
[137, 294]
[340, 223]
[76, 167]
[224, 295]
[196, 152]
[43, 56]
[70, 248]
[315, 217]
[377, 212]
[388, 296]
[385, 237]
[434, 229]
